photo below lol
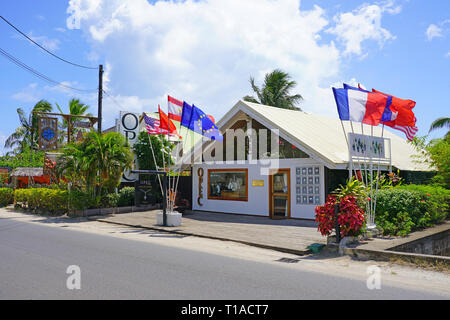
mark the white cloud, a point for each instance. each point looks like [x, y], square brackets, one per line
[81, 9]
[364, 23]
[205, 51]
[46, 42]
[433, 31]
[28, 94]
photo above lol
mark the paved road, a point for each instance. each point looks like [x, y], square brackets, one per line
[34, 259]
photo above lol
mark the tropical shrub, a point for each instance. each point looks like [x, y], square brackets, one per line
[97, 163]
[353, 188]
[111, 200]
[350, 216]
[435, 198]
[407, 208]
[6, 196]
[126, 197]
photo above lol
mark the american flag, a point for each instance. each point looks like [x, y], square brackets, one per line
[152, 126]
[410, 132]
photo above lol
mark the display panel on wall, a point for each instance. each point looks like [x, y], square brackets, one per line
[228, 184]
[308, 185]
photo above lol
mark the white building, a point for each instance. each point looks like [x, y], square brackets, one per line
[314, 159]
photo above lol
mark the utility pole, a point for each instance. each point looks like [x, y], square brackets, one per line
[100, 97]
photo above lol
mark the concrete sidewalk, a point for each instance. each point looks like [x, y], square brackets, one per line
[293, 236]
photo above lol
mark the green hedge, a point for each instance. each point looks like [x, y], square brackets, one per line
[6, 196]
[43, 200]
[56, 201]
[406, 208]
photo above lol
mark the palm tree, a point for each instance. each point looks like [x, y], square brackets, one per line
[26, 135]
[76, 108]
[441, 123]
[96, 163]
[275, 91]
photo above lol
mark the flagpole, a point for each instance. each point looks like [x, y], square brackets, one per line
[378, 179]
[365, 170]
[156, 164]
[348, 145]
[162, 151]
[371, 177]
[360, 167]
[183, 138]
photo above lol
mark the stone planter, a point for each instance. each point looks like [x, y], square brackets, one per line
[173, 219]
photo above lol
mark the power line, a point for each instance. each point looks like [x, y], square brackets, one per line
[49, 52]
[38, 74]
[113, 100]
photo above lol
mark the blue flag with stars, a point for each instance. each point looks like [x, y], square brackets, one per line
[202, 124]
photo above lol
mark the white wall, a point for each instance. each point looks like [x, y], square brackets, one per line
[258, 197]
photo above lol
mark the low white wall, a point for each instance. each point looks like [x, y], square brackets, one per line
[258, 197]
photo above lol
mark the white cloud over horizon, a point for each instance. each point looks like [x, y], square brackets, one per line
[205, 52]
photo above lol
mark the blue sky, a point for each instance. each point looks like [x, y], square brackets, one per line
[205, 51]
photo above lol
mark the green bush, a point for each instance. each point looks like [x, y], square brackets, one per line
[126, 197]
[42, 200]
[6, 196]
[111, 200]
[55, 201]
[406, 208]
[80, 200]
[436, 199]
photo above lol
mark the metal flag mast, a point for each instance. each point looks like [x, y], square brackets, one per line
[372, 154]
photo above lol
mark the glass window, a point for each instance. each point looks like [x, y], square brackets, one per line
[227, 184]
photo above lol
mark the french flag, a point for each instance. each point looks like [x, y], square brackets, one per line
[360, 105]
[388, 114]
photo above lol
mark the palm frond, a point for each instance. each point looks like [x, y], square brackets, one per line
[440, 123]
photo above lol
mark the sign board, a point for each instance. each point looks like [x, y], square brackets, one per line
[48, 133]
[366, 146]
[81, 124]
[258, 183]
[143, 187]
[129, 128]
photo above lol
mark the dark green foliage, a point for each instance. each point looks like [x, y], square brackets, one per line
[143, 151]
[276, 91]
[126, 197]
[6, 196]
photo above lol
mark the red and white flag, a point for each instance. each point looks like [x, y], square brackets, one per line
[410, 132]
[175, 108]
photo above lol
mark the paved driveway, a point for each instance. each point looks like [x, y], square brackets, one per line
[285, 235]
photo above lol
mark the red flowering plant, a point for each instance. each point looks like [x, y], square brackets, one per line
[349, 200]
